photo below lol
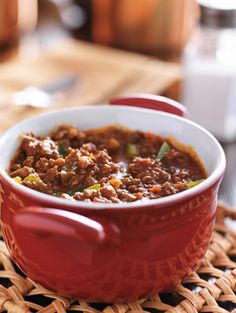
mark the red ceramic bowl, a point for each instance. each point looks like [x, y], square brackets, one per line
[104, 252]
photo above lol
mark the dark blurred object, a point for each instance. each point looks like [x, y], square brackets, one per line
[218, 13]
[85, 29]
[8, 24]
[156, 27]
[75, 16]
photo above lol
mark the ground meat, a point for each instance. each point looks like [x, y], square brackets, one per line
[108, 165]
[105, 166]
[22, 172]
[43, 147]
[148, 170]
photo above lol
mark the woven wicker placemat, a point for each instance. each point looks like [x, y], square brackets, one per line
[210, 289]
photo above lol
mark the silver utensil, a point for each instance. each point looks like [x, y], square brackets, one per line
[41, 97]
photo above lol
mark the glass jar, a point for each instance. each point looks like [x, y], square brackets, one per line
[209, 66]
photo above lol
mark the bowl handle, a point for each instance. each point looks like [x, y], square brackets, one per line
[150, 101]
[48, 221]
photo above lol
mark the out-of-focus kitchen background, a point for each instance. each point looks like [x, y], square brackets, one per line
[156, 27]
[184, 49]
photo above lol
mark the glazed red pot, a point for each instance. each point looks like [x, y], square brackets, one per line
[111, 252]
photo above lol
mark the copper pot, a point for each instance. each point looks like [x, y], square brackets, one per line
[8, 23]
[157, 27]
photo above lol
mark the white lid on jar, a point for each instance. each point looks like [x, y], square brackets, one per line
[218, 4]
[218, 13]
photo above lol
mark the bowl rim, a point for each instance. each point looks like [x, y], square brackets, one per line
[213, 178]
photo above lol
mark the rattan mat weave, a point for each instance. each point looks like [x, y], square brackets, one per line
[210, 289]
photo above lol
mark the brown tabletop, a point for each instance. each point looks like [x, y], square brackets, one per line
[102, 73]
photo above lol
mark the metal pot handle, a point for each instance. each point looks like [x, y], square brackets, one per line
[48, 221]
[150, 101]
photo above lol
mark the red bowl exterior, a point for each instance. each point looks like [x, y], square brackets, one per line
[159, 246]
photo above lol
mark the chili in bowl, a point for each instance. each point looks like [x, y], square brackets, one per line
[112, 164]
[110, 209]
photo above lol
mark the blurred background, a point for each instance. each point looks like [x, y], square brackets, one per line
[155, 27]
[183, 49]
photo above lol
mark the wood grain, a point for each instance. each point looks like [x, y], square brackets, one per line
[102, 73]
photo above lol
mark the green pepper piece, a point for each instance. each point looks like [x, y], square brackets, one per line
[62, 147]
[192, 184]
[72, 192]
[57, 193]
[165, 148]
[35, 179]
[94, 187]
[17, 179]
[132, 150]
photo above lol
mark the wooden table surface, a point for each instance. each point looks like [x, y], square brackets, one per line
[102, 73]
